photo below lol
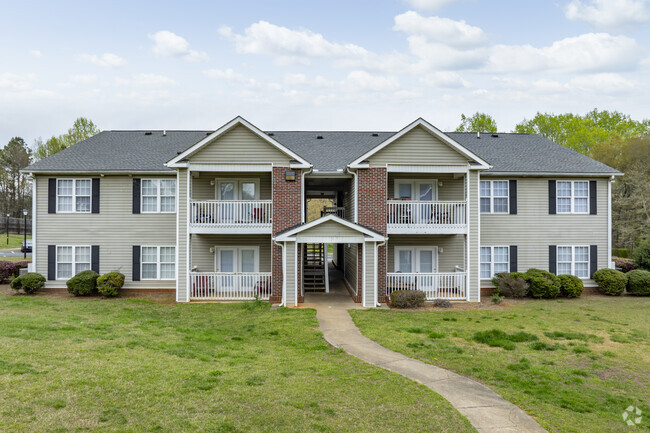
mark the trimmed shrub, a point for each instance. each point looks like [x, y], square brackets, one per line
[82, 284]
[407, 298]
[570, 286]
[624, 265]
[30, 282]
[638, 282]
[510, 285]
[542, 284]
[109, 284]
[621, 252]
[642, 256]
[610, 281]
[496, 299]
[9, 270]
[442, 303]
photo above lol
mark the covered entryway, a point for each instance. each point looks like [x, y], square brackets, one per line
[301, 256]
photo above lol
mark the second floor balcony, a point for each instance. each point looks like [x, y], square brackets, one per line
[231, 216]
[426, 217]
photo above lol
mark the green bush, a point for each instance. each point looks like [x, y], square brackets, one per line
[442, 303]
[542, 284]
[638, 282]
[642, 256]
[30, 282]
[82, 284]
[570, 286]
[510, 285]
[610, 281]
[623, 253]
[109, 284]
[407, 298]
[496, 299]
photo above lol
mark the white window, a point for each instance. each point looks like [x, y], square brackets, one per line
[418, 190]
[494, 260]
[70, 260]
[423, 260]
[237, 259]
[158, 195]
[572, 196]
[494, 196]
[158, 263]
[73, 195]
[573, 260]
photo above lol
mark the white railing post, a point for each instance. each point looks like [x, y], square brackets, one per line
[230, 286]
[440, 285]
[231, 214]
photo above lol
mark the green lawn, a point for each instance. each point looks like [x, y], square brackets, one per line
[575, 365]
[127, 365]
[15, 259]
[15, 241]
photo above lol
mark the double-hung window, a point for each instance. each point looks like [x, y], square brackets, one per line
[494, 260]
[73, 195]
[70, 260]
[494, 196]
[572, 196]
[158, 263]
[573, 260]
[158, 195]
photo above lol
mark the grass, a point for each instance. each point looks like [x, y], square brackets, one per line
[15, 259]
[15, 241]
[575, 366]
[127, 365]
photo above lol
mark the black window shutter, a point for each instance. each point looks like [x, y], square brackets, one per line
[136, 263]
[95, 197]
[593, 204]
[51, 195]
[552, 259]
[51, 262]
[512, 187]
[513, 258]
[593, 260]
[136, 195]
[94, 258]
[551, 198]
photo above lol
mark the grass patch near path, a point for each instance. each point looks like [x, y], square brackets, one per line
[575, 366]
[15, 241]
[16, 259]
[128, 365]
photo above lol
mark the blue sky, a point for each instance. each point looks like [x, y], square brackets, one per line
[369, 65]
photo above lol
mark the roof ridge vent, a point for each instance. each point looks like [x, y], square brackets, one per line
[319, 137]
[147, 133]
[374, 134]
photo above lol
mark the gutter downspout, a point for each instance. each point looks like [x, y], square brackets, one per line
[303, 201]
[356, 194]
[284, 271]
[377, 258]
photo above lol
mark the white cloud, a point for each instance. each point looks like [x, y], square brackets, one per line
[378, 83]
[226, 74]
[605, 83]
[445, 80]
[430, 5]
[145, 81]
[82, 79]
[170, 44]
[106, 59]
[608, 14]
[16, 82]
[35, 53]
[590, 52]
[439, 30]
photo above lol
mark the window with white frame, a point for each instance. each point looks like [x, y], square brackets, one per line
[158, 195]
[573, 260]
[494, 196]
[71, 259]
[494, 260]
[158, 263]
[73, 195]
[572, 196]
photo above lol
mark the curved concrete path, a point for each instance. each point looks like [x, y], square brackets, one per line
[485, 409]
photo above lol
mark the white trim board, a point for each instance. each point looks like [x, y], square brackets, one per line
[288, 236]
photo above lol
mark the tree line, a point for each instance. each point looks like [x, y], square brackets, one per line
[15, 188]
[610, 137]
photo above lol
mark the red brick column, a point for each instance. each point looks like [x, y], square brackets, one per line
[286, 213]
[373, 193]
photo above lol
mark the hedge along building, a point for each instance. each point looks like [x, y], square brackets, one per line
[221, 215]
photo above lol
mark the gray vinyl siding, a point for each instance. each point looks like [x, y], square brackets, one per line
[182, 291]
[453, 249]
[205, 260]
[329, 228]
[348, 201]
[475, 235]
[202, 190]
[369, 274]
[115, 229]
[351, 263]
[451, 189]
[290, 251]
[240, 145]
[532, 229]
[417, 147]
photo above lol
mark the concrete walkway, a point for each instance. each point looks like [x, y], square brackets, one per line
[485, 409]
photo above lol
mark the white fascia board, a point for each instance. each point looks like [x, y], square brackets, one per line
[433, 130]
[234, 166]
[100, 172]
[547, 174]
[426, 168]
[299, 165]
[285, 236]
[236, 121]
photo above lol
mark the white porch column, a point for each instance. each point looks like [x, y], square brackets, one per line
[369, 298]
[290, 287]
[182, 236]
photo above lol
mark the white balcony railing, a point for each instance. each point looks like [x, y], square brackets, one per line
[406, 216]
[333, 210]
[449, 285]
[253, 215]
[223, 286]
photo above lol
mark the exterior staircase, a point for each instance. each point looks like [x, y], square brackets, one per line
[313, 268]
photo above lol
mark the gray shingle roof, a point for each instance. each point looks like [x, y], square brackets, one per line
[133, 151]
